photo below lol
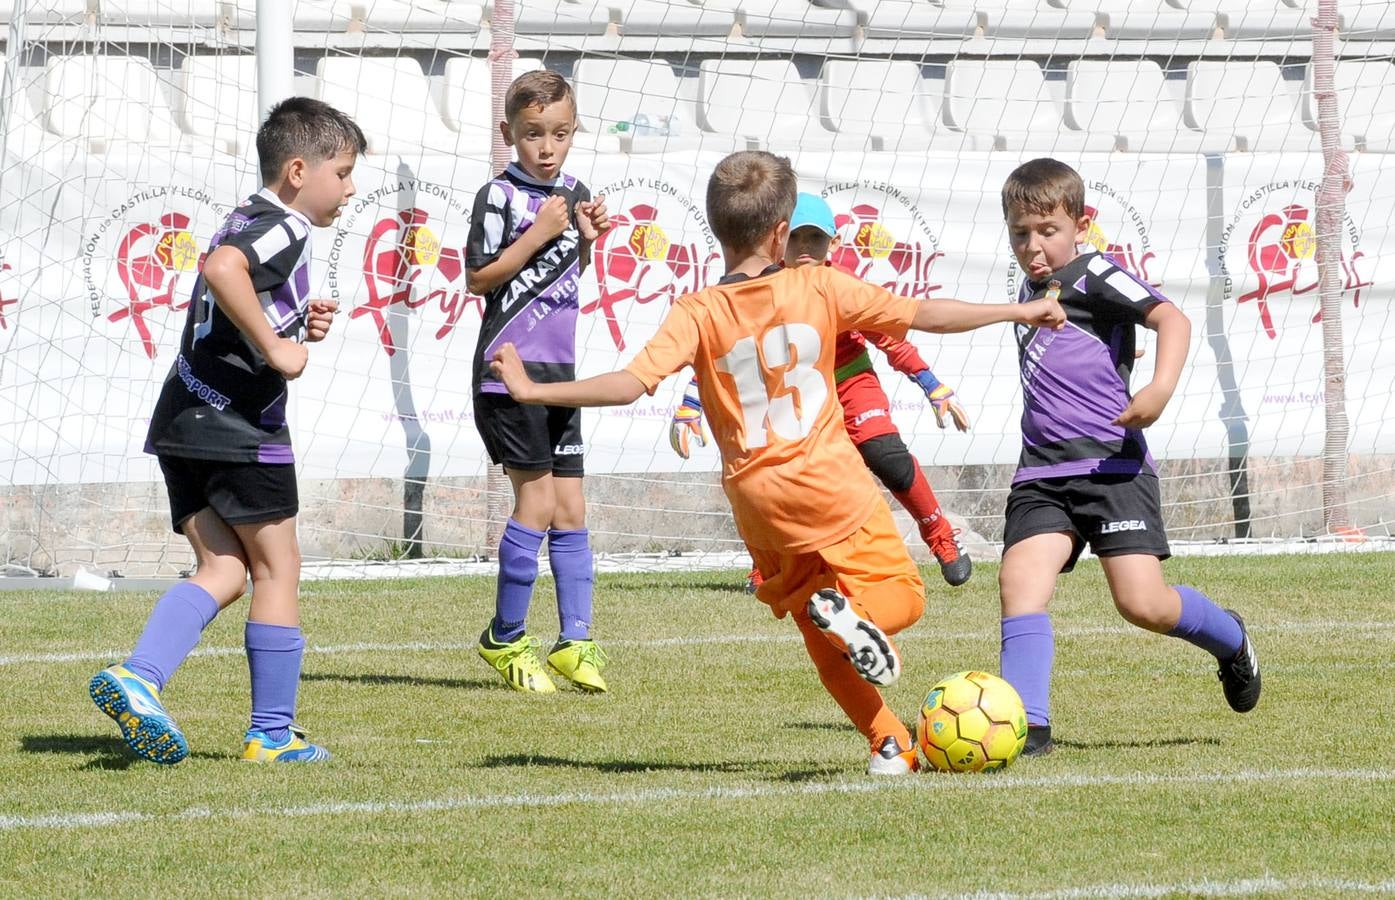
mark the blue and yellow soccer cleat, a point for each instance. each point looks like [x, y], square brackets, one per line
[259, 747]
[517, 663]
[580, 662]
[134, 704]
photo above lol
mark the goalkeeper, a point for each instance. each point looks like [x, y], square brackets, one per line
[866, 410]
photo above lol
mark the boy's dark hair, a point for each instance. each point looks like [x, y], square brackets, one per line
[1041, 186]
[748, 194]
[538, 88]
[308, 128]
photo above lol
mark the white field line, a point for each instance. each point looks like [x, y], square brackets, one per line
[1246, 887]
[1346, 629]
[1294, 778]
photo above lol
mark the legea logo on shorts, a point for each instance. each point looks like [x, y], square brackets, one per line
[1123, 525]
[659, 247]
[1280, 251]
[885, 239]
[152, 243]
[1118, 229]
[412, 234]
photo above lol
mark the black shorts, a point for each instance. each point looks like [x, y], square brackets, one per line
[1115, 514]
[530, 438]
[241, 493]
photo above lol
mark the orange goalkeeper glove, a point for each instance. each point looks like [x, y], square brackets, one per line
[942, 400]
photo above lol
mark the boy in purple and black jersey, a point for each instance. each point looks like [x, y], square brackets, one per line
[219, 430]
[530, 239]
[1085, 474]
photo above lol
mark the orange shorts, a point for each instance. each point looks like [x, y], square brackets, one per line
[871, 567]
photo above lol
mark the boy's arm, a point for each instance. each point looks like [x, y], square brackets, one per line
[944, 316]
[611, 389]
[551, 220]
[1174, 341]
[228, 275]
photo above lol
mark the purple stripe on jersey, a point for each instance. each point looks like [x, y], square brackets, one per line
[275, 453]
[283, 304]
[274, 416]
[1113, 465]
[1073, 390]
[545, 329]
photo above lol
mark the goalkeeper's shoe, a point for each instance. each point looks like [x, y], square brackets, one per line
[869, 649]
[258, 746]
[955, 565]
[754, 580]
[134, 704]
[893, 759]
[517, 663]
[580, 662]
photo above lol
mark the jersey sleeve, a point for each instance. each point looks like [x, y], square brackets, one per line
[488, 222]
[865, 307]
[669, 350]
[273, 244]
[901, 353]
[1120, 291]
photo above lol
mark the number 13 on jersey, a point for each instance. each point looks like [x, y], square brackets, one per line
[789, 351]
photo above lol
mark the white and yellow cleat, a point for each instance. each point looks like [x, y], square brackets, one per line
[258, 746]
[134, 704]
[580, 662]
[517, 663]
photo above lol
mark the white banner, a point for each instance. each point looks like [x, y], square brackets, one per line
[98, 254]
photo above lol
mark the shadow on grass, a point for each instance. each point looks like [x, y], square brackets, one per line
[618, 766]
[106, 752]
[663, 586]
[469, 684]
[1138, 745]
[820, 726]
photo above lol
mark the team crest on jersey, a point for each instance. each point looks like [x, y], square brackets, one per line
[400, 250]
[144, 257]
[659, 247]
[1268, 253]
[885, 238]
[1118, 229]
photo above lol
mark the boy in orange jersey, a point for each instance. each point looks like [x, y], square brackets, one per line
[761, 342]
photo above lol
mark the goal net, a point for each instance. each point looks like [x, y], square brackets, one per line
[1239, 156]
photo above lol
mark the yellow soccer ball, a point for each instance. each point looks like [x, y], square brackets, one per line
[971, 722]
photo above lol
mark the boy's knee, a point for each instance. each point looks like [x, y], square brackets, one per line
[225, 579]
[1150, 610]
[886, 455]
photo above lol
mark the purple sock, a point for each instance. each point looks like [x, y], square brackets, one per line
[1206, 625]
[1028, 650]
[569, 552]
[172, 631]
[273, 658]
[518, 569]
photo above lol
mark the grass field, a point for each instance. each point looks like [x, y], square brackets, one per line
[717, 765]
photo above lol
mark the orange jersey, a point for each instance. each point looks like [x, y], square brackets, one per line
[763, 353]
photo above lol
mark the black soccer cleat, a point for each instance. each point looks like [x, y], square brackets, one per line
[955, 565]
[1039, 741]
[1239, 675]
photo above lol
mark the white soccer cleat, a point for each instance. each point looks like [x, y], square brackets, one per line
[869, 649]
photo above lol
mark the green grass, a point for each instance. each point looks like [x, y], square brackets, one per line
[717, 767]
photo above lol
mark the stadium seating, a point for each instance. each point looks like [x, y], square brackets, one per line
[1130, 101]
[105, 99]
[1249, 20]
[1030, 19]
[422, 16]
[161, 13]
[766, 103]
[217, 106]
[1370, 21]
[1366, 98]
[562, 17]
[641, 107]
[466, 95]
[307, 15]
[792, 18]
[1151, 20]
[911, 20]
[1249, 101]
[666, 17]
[391, 100]
[1006, 103]
[890, 104]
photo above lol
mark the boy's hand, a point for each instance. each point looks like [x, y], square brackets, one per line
[687, 424]
[1144, 409]
[552, 218]
[507, 366]
[592, 218]
[942, 401]
[288, 357]
[320, 318]
[1044, 313]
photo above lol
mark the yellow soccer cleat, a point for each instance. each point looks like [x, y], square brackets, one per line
[517, 663]
[580, 662]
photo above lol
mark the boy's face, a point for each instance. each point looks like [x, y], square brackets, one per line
[542, 136]
[808, 246]
[1043, 244]
[322, 188]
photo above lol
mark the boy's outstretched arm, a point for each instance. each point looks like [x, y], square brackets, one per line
[229, 276]
[950, 316]
[1174, 341]
[611, 389]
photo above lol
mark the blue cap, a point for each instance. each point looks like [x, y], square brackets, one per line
[811, 210]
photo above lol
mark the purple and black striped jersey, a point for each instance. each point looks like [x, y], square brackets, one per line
[1075, 382]
[221, 400]
[536, 309]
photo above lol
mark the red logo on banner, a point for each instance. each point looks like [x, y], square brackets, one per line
[400, 252]
[1130, 258]
[149, 261]
[872, 252]
[5, 301]
[636, 261]
[1280, 248]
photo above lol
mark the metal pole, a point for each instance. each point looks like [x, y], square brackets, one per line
[275, 55]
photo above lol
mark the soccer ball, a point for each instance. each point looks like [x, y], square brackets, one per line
[971, 722]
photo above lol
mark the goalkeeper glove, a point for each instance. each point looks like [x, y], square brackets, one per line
[687, 423]
[942, 400]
